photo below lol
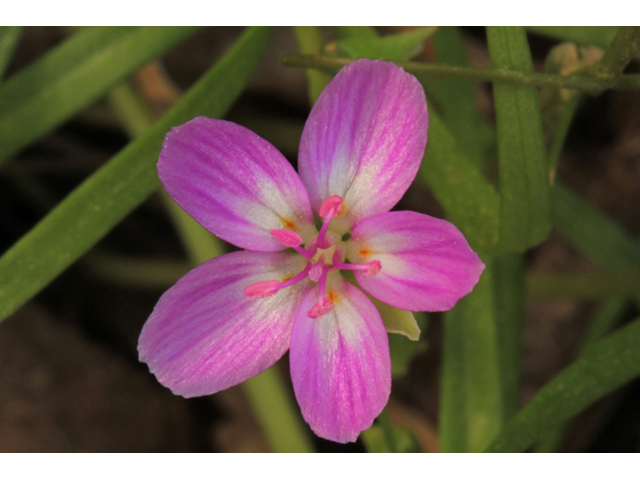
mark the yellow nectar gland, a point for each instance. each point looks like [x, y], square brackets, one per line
[289, 224]
[332, 296]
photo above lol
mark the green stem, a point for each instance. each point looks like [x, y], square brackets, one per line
[274, 409]
[310, 41]
[533, 79]
[267, 393]
[624, 47]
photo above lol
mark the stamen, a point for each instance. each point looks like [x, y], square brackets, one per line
[321, 308]
[334, 201]
[370, 268]
[271, 287]
[329, 209]
[262, 289]
[324, 305]
[298, 278]
[293, 240]
[287, 237]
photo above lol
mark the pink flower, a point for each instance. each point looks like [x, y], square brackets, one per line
[235, 315]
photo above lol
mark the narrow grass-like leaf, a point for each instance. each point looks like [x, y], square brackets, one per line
[592, 232]
[524, 181]
[471, 397]
[72, 76]
[106, 197]
[9, 37]
[603, 322]
[457, 97]
[310, 40]
[559, 135]
[469, 200]
[601, 369]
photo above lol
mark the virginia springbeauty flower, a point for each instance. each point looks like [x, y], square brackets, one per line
[235, 315]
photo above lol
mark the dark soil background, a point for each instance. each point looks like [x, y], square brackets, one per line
[70, 380]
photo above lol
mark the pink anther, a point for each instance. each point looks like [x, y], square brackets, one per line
[321, 308]
[287, 237]
[373, 267]
[271, 287]
[334, 202]
[293, 240]
[329, 209]
[262, 289]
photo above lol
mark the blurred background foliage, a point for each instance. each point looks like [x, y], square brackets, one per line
[534, 153]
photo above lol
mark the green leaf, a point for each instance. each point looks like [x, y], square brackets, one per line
[310, 40]
[72, 76]
[469, 200]
[9, 37]
[592, 232]
[457, 98]
[601, 369]
[393, 48]
[524, 179]
[111, 193]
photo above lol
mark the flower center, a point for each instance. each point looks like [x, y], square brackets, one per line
[324, 254]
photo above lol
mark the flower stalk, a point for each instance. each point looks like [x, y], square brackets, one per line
[590, 85]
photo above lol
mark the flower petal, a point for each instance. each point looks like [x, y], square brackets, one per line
[340, 363]
[204, 335]
[234, 183]
[427, 265]
[364, 139]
